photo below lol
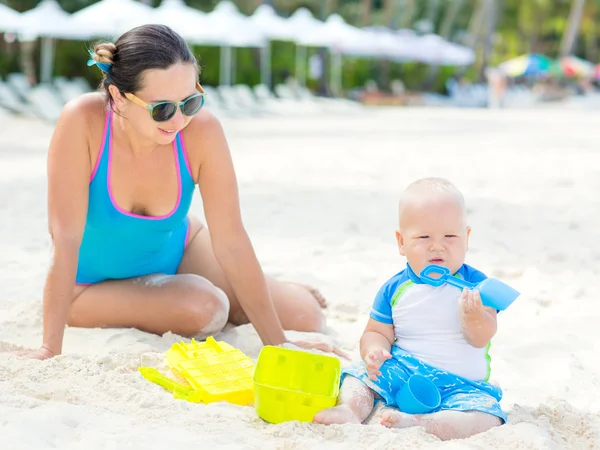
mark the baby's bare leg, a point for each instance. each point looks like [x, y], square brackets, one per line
[443, 424]
[355, 403]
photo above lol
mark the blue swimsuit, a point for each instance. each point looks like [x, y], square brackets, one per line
[117, 244]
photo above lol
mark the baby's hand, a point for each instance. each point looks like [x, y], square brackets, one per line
[374, 359]
[470, 304]
[477, 322]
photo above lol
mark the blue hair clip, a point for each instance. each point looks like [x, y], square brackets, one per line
[104, 67]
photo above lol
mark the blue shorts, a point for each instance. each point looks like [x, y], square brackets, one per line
[457, 393]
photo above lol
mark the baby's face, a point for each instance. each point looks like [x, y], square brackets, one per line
[433, 232]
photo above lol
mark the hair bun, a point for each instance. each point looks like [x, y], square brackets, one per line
[103, 53]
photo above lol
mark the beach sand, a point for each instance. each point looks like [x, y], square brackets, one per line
[319, 199]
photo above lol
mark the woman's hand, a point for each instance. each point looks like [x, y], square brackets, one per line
[41, 353]
[319, 345]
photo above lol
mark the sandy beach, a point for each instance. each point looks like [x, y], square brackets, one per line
[319, 201]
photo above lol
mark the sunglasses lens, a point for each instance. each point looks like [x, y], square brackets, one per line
[193, 105]
[163, 112]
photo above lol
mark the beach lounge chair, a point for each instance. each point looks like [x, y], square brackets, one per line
[246, 97]
[19, 83]
[69, 89]
[278, 105]
[83, 84]
[11, 101]
[285, 92]
[215, 103]
[4, 112]
[45, 102]
[234, 103]
[333, 104]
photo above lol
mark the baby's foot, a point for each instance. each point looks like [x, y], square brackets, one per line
[397, 419]
[337, 414]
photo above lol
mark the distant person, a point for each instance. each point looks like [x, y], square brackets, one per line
[315, 67]
[496, 87]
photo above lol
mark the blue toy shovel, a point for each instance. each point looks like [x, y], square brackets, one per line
[494, 293]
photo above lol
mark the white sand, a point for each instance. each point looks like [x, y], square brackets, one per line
[319, 201]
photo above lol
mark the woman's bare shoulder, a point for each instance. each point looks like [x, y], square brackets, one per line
[89, 107]
[202, 134]
[203, 126]
[80, 126]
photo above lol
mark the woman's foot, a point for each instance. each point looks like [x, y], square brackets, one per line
[337, 414]
[397, 419]
[315, 293]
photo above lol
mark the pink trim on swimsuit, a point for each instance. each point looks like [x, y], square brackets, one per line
[138, 216]
[99, 157]
[185, 155]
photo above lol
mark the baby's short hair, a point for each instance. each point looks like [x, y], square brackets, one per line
[432, 188]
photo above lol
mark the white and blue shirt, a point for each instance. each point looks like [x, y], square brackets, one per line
[426, 323]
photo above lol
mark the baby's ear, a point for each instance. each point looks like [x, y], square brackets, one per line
[400, 240]
[467, 237]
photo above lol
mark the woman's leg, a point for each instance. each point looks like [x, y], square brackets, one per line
[444, 424]
[299, 307]
[355, 403]
[187, 305]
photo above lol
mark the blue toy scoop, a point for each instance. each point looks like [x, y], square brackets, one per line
[494, 293]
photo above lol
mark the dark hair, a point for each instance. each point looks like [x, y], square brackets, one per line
[139, 49]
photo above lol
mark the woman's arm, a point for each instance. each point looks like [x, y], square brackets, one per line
[231, 244]
[69, 170]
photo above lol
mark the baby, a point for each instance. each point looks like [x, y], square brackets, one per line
[437, 332]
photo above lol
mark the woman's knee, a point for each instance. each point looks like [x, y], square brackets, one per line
[205, 307]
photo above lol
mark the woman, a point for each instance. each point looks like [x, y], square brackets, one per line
[122, 167]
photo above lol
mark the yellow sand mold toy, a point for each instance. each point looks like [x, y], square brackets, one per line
[214, 371]
[294, 384]
[285, 385]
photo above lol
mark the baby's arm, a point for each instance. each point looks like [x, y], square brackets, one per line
[375, 345]
[376, 335]
[478, 322]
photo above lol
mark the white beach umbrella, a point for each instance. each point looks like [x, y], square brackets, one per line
[457, 55]
[434, 49]
[325, 34]
[404, 46]
[272, 25]
[302, 23]
[401, 45]
[343, 38]
[275, 28]
[9, 18]
[111, 18]
[189, 22]
[236, 30]
[430, 49]
[48, 21]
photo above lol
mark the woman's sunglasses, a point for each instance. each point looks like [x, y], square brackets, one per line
[163, 111]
